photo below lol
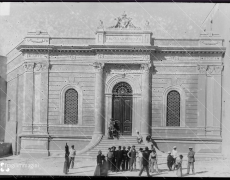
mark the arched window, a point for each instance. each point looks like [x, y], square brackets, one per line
[173, 109]
[71, 107]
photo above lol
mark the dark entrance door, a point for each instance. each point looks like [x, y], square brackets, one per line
[122, 107]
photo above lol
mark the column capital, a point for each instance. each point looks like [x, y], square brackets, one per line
[28, 66]
[98, 66]
[41, 66]
[210, 69]
[145, 67]
[202, 68]
[218, 69]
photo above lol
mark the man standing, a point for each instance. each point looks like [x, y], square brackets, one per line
[127, 164]
[124, 158]
[145, 162]
[118, 158]
[174, 155]
[132, 155]
[170, 161]
[191, 160]
[114, 159]
[72, 156]
[110, 158]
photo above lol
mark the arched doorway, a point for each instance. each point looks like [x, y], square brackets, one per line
[122, 107]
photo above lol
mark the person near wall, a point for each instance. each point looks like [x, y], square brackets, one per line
[178, 166]
[132, 155]
[139, 138]
[145, 162]
[117, 130]
[98, 169]
[66, 163]
[109, 159]
[174, 154]
[72, 157]
[111, 129]
[153, 161]
[170, 161]
[191, 160]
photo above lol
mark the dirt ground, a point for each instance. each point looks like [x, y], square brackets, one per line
[54, 167]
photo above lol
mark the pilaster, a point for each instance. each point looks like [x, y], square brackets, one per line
[99, 100]
[146, 88]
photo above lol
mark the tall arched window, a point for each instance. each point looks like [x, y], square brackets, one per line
[173, 109]
[71, 107]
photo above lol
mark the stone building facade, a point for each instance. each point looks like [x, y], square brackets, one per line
[67, 89]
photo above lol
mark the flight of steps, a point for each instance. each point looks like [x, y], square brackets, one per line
[126, 141]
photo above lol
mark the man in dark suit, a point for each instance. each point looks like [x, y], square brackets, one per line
[124, 158]
[145, 162]
[118, 158]
[191, 160]
[109, 159]
[114, 159]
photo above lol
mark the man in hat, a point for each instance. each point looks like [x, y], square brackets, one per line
[118, 158]
[191, 160]
[174, 154]
[132, 155]
[72, 156]
[170, 161]
[127, 164]
[145, 162]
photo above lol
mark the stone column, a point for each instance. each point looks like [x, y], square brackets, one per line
[28, 98]
[99, 98]
[145, 120]
[202, 100]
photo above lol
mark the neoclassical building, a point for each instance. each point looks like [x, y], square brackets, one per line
[67, 90]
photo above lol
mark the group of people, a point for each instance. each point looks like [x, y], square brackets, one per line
[126, 160]
[69, 158]
[175, 162]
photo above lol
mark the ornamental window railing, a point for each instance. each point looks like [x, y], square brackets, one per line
[71, 107]
[173, 109]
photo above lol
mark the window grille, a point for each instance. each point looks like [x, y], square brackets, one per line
[122, 88]
[173, 109]
[71, 107]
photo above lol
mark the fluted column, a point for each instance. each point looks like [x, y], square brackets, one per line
[145, 120]
[99, 100]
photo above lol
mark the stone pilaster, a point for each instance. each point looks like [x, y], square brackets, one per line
[41, 96]
[28, 97]
[202, 100]
[145, 120]
[99, 100]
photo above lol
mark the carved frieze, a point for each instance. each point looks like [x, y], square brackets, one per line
[29, 67]
[124, 56]
[209, 69]
[37, 41]
[175, 69]
[29, 55]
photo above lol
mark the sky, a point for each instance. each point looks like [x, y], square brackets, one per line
[167, 20]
